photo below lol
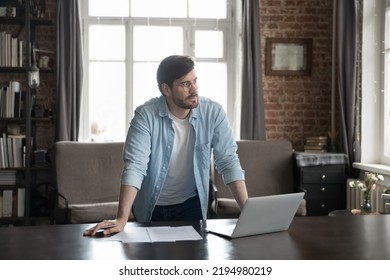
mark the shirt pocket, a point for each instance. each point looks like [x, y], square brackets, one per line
[203, 154]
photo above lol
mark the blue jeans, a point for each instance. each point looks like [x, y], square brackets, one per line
[189, 210]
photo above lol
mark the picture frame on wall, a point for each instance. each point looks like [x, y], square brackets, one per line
[286, 57]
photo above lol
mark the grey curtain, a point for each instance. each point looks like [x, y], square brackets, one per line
[252, 112]
[69, 70]
[348, 71]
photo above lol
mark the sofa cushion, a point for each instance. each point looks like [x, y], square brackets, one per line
[269, 170]
[87, 177]
[93, 212]
[268, 166]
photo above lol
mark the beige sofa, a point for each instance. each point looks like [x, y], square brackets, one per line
[269, 170]
[87, 181]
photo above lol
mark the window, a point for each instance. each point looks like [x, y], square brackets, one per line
[373, 99]
[124, 42]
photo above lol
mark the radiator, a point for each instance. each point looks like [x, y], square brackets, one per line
[379, 203]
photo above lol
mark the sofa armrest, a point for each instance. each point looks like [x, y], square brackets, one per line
[55, 195]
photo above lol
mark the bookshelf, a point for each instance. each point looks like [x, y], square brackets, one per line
[18, 122]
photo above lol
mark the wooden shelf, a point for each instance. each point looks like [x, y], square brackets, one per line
[22, 70]
[21, 21]
[13, 69]
[44, 119]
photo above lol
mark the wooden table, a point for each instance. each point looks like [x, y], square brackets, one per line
[315, 238]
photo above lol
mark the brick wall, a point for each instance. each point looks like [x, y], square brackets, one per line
[298, 106]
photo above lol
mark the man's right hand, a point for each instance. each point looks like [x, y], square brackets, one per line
[106, 227]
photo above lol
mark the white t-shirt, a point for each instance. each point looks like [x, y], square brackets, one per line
[180, 181]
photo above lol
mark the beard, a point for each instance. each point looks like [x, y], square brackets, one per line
[189, 102]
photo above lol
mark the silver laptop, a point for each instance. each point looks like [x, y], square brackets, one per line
[264, 214]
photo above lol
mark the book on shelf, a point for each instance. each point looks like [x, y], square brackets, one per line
[4, 152]
[18, 142]
[12, 151]
[8, 177]
[20, 201]
[8, 203]
[12, 202]
[11, 50]
[11, 100]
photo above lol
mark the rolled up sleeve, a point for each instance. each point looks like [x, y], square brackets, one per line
[225, 151]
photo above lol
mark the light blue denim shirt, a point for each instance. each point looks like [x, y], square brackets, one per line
[149, 144]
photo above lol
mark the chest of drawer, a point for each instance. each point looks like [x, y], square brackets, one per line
[322, 207]
[323, 191]
[322, 199]
[330, 174]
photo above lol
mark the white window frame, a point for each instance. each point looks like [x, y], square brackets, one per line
[386, 89]
[374, 97]
[231, 28]
[372, 84]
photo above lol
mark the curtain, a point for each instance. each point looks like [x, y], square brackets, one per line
[348, 70]
[69, 70]
[252, 112]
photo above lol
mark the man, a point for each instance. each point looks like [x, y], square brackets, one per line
[168, 149]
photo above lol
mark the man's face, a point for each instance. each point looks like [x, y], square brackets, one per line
[184, 93]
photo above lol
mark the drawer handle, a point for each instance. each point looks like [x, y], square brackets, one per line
[323, 177]
[323, 189]
[322, 205]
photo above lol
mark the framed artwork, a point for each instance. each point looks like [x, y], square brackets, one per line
[288, 57]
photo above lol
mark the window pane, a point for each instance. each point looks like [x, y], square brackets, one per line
[209, 44]
[107, 101]
[158, 8]
[213, 81]
[145, 83]
[387, 104]
[387, 28]
[153, 43]
[215, 9]
[104, 8]
[107, 42]
[386, 114]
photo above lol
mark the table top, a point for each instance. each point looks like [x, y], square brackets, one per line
[313, 237]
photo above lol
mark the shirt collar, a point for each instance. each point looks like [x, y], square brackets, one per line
[163, 108]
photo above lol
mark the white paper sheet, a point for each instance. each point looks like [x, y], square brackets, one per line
[156, 234]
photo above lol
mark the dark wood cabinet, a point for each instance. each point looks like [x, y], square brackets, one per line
[323, 181]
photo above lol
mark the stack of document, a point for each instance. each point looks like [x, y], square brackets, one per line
[133, 234]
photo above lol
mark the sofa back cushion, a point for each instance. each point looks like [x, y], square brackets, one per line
[268, 166]
[88, 175]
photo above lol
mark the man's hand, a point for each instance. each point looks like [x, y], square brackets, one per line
[106, 227]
